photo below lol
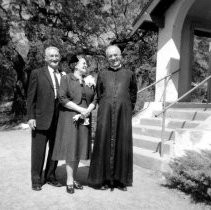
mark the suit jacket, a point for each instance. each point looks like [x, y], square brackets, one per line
[70, 90]
[41, 98]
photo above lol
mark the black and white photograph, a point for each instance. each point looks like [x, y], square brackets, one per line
[105, 104]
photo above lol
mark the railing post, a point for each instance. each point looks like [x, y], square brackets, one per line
[163, 119]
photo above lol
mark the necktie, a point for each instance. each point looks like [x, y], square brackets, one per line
[57, 83]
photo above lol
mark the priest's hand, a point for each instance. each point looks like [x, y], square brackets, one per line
[32, 124]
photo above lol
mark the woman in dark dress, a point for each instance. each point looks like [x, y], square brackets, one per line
[73, 136]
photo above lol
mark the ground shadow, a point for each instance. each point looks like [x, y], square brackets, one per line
[81, 176]
[195, 197]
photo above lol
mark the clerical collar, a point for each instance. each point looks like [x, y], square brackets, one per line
[117, 68]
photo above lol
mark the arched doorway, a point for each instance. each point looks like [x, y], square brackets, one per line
[170, 51]
[197, 23]
[177, 21]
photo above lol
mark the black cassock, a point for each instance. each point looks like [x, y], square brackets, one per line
[112, 158]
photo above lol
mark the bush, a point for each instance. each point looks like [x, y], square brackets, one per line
[192, 175]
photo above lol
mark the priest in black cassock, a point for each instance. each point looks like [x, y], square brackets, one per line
[112, 159]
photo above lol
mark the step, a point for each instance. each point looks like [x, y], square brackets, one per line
[191, 105]
[184, 114]
[152, 131]
[150, 160]
[170, 123]
[151, 143]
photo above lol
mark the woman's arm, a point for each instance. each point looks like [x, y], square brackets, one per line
[65, 100]
[75, 107]
[91, 107]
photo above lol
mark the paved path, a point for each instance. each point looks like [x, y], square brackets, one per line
[16, 193]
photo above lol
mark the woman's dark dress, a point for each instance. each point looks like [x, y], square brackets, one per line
[112, 158]
[73, 140]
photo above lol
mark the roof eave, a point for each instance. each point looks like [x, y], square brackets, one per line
[153, 15]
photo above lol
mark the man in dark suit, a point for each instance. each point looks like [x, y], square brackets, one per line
[42, 108]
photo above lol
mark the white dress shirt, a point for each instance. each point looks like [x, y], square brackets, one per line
[58, 76]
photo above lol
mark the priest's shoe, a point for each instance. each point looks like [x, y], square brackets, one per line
[36, 187]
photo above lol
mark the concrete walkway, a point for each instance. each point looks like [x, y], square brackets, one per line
[16, 193]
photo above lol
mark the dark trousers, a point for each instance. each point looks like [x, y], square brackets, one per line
[40, 138]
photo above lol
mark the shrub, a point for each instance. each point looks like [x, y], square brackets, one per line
[192, 175]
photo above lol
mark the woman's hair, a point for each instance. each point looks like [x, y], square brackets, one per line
[73, 62]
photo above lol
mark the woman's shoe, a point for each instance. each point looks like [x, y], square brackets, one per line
[77, 185]
[70, 189]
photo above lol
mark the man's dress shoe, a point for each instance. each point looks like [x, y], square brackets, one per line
[54, 183]
[36, 187]
[70, 189]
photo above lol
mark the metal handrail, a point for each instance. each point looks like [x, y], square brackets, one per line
[183, 96]
[164, 104]
[165, 108]
[154, 83]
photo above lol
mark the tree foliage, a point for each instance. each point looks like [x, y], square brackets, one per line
[78, 27]
[75, 27]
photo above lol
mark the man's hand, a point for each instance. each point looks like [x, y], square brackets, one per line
[32, 124]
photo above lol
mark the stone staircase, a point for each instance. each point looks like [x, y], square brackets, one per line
[147, 133]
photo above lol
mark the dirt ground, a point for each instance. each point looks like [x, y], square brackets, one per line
[15, 186]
